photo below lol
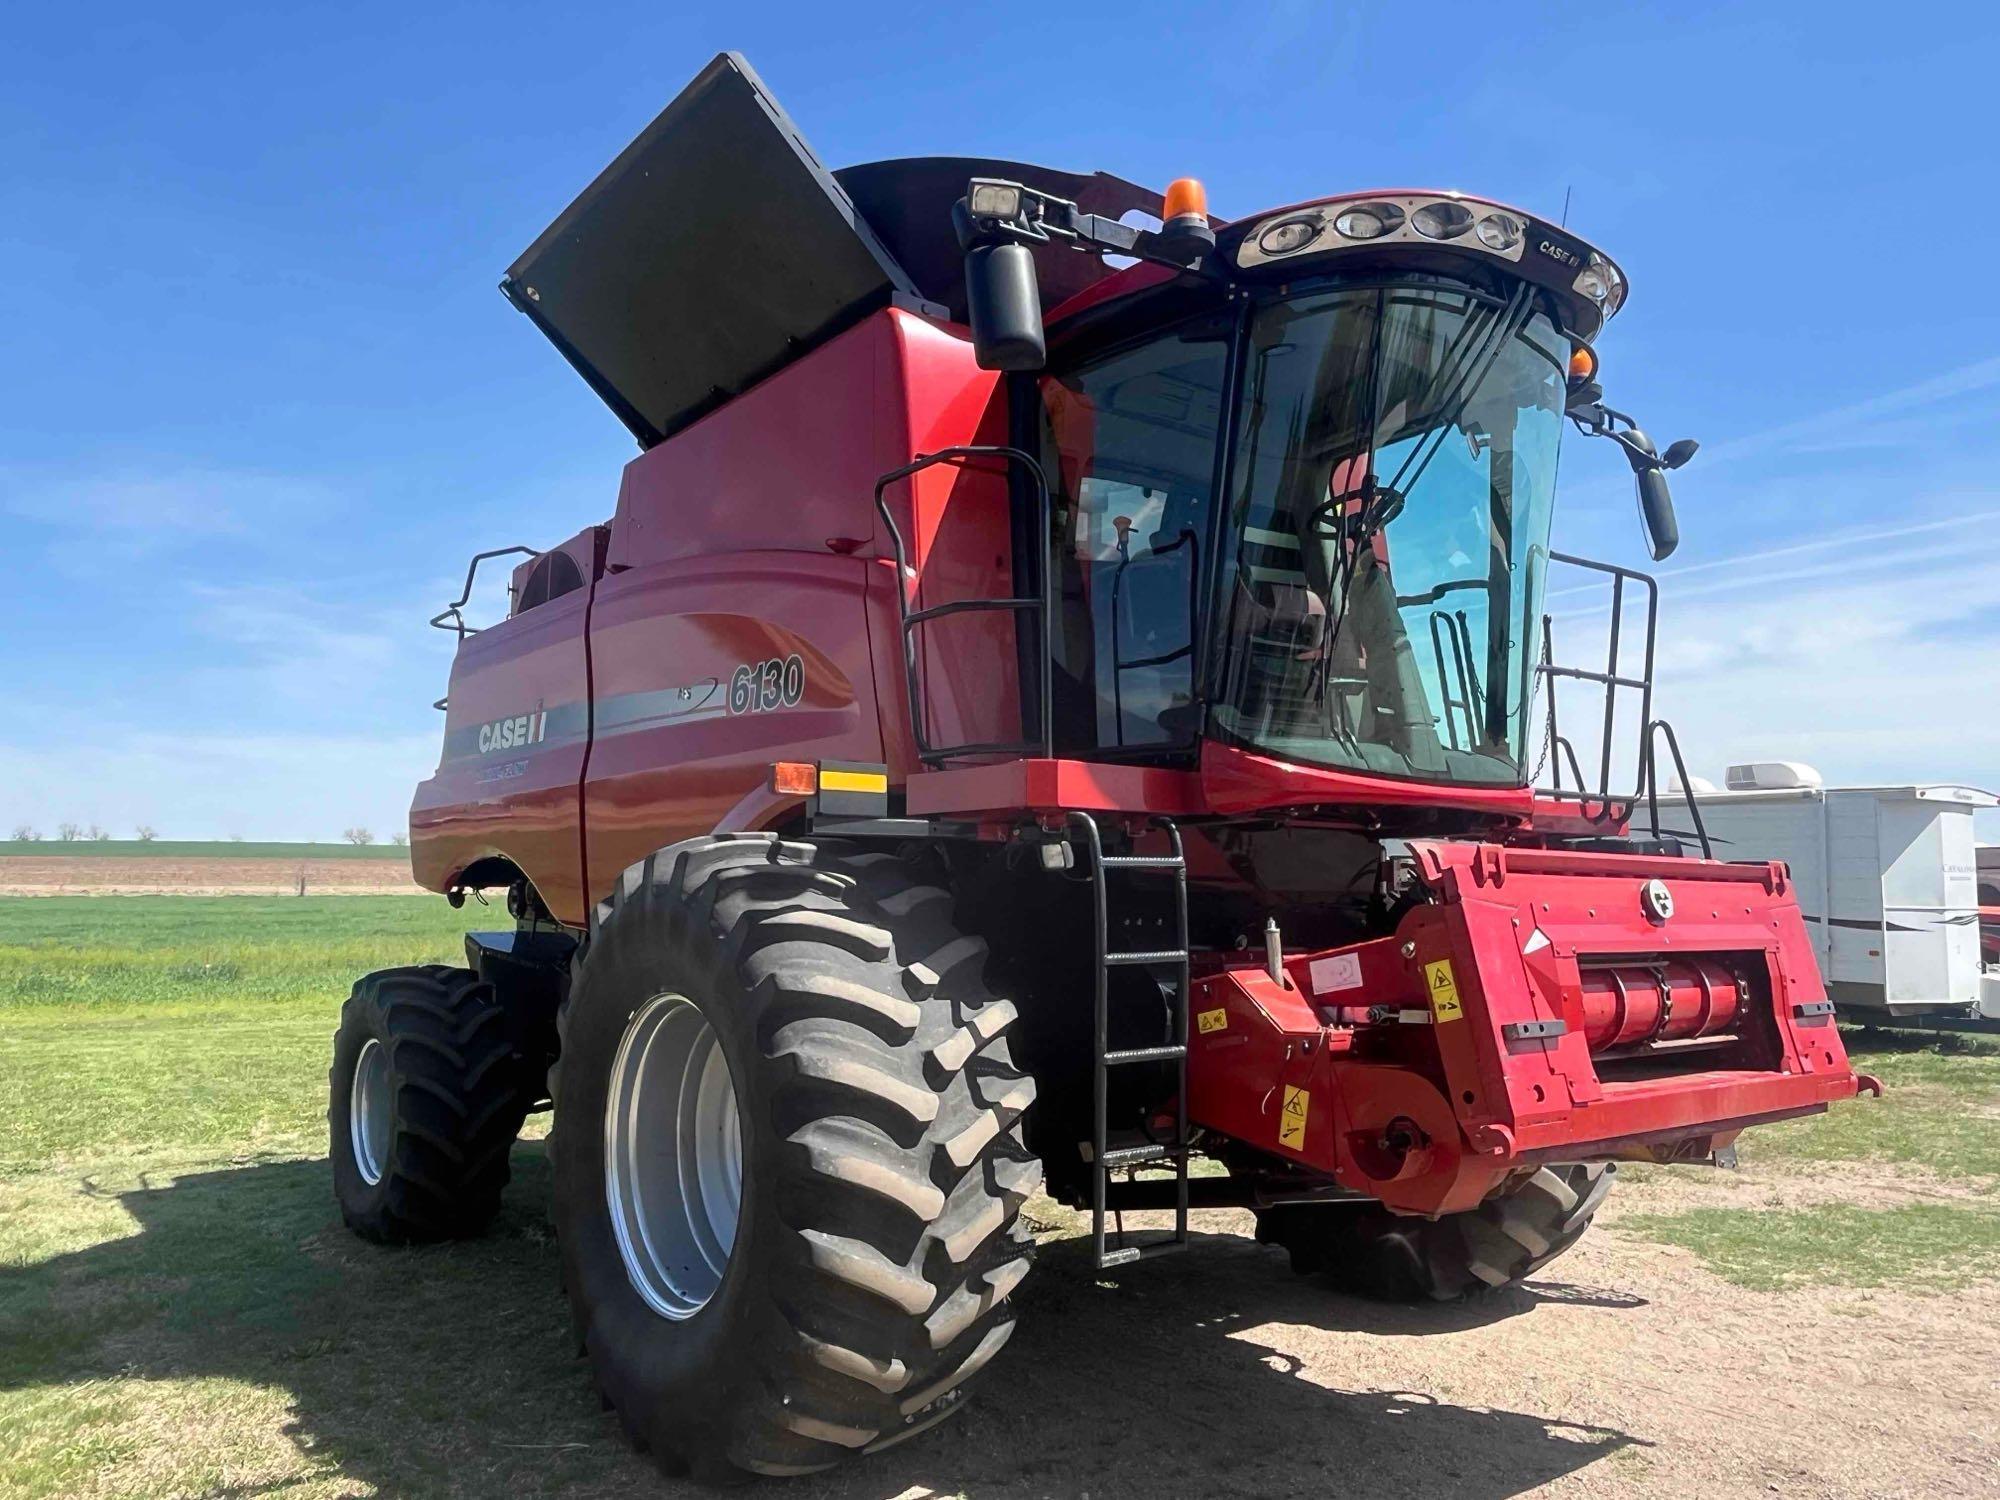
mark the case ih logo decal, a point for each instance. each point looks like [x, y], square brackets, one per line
[514, 733]
[757, 687]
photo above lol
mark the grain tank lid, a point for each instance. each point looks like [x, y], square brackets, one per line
[714, 250]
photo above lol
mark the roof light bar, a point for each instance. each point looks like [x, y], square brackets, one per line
[1438, 221]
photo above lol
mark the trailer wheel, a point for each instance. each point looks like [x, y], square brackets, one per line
[425, 1100]
[788, 1155]
[1373, 1253]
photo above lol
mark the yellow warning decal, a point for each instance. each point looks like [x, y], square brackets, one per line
[1212, 1020]
[1444, 990]
[1292, 1119]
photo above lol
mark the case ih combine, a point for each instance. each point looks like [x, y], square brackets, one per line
[987, 743]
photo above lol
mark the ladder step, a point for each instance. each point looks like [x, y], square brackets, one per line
[1144, 861]
[1164, 956]
[1126, 1156]
[1145, 1054]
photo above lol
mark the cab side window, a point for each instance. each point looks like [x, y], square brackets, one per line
[1128, 442]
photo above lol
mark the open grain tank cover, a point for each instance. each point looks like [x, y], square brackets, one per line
[714, 250]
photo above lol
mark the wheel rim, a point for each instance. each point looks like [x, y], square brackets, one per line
[368, 1111]
[673, 1156]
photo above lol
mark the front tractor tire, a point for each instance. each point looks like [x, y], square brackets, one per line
[425, 1098]
[788, 1156]
[1371, 1252]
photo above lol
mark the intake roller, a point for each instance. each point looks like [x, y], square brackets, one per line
[1672, 1000]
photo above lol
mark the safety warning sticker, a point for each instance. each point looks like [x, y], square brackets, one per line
[1212, 1020]
[1292, 1118]
[1444, 990]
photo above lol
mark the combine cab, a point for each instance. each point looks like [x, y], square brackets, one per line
[1059, 694]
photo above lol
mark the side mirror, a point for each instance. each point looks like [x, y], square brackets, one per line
[1005, 303]
[1656, 507]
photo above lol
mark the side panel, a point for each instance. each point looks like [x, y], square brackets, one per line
[515, 737]
[707, 670]
[1856, 970]
[1964, 968]
[1931, 913]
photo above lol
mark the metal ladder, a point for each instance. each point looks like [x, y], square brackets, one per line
[1105, 1159]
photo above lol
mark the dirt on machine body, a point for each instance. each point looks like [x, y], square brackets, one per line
[1061, 692]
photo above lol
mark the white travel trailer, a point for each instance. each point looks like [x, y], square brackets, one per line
[1886, 877]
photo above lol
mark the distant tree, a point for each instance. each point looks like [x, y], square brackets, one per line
[399, 839]
[69, 833]
[26, 835]
[358, 836]
[147, 833]
[97, 835]
[235, 838]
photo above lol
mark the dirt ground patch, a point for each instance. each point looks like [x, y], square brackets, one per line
[1626, 1368]
[140, 875]
[1760, 1185]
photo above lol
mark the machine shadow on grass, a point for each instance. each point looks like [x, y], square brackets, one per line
[451, 1370]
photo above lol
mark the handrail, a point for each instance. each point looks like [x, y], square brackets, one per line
[1610, 806]
[452, 616]
[1120, 666]
[1652, 774]
[960, 455]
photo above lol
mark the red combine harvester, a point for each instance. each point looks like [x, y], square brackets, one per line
[1130, 711]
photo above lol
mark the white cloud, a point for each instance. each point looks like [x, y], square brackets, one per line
[1869, 422]
[284, 652]
[132, 512]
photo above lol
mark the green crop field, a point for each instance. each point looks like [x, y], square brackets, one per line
[182, 1313]
[49, 848]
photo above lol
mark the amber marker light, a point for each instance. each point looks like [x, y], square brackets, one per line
[794, 778]
[1582, 364]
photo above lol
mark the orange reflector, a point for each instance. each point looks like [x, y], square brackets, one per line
[794, 778]
[1185, 195]
[1582, 362]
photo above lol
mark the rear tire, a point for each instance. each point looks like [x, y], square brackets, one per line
[882, 1166]
[1371, 1252]
[425, 1099]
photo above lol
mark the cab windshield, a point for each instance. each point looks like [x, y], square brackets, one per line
[1394, 468]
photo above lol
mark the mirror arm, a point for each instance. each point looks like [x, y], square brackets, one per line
[1598, 420]
[1044, 218]
[1656, 506]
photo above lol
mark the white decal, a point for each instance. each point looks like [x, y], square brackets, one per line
[514, 733]
[1340, 971]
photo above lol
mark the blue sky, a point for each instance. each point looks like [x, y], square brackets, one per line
[261, 398]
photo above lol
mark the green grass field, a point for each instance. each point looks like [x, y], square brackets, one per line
[181, 1311]
[49, 848]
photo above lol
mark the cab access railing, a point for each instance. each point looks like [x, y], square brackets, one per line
[452, 616]
[1040, 606]
[1601, 804]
